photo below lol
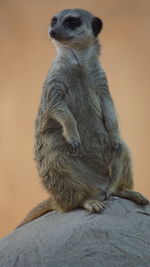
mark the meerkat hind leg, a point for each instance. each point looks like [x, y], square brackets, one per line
[132, 195]
[93, 205]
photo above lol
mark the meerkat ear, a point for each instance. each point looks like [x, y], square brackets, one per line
[96, 25]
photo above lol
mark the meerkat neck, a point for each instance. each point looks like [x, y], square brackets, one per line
[79, 55]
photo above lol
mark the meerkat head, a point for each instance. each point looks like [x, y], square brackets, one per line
[75, 27]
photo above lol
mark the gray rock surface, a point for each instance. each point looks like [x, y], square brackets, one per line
[119, 237]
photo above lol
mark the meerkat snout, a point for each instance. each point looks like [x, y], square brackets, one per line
[52, 33]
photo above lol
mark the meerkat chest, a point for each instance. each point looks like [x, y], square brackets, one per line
[82, 91]
[84, 81]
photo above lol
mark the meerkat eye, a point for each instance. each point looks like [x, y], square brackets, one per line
[53, 21]
[72, 22]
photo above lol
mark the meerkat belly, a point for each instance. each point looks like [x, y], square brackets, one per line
[85, 106]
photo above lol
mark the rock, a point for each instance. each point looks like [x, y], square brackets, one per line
[119, 237]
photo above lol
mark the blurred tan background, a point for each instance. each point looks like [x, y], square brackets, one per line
[25, 56]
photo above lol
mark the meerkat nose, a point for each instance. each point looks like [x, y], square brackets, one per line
[53, 33]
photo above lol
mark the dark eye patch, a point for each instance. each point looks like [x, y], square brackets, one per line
[53, 21]
[72, 22]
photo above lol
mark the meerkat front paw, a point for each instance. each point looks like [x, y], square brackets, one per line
[116, 147]
[74, 142]
[75, 147]
[93, 205]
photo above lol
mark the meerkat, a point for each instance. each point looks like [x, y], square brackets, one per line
[80, 155]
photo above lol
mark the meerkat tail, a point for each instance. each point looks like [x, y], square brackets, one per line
[41, 209]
